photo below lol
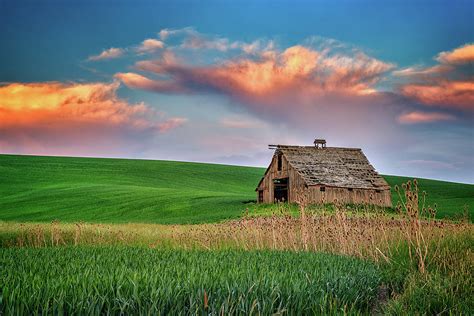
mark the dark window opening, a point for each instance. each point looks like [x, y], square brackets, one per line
[260, 196]
[279, 162]
[377, 191]
[322, 189]
[350, 189]
[280, 190]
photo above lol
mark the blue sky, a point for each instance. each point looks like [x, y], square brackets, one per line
[56, 35]
[394, 78]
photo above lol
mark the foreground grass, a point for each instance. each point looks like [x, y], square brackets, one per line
[42, 189]
[129, 280]
[277, 253]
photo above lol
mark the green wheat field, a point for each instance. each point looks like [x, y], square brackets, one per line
[146, 191]
[117, 236]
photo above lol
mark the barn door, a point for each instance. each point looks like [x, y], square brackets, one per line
[280, 190]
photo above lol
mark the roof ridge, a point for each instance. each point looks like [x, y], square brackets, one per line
[314, 147]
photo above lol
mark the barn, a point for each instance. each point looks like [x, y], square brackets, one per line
[325, 174]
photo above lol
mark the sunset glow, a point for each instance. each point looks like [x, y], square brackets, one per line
[169, 85]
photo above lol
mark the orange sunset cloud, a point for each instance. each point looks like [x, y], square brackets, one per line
[460, 55]
[73, 113]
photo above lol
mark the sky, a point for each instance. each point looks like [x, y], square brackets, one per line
[217, 81]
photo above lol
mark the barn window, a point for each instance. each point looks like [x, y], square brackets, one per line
[322, 189]
[377, 191]
[350, 189]
[279, 162]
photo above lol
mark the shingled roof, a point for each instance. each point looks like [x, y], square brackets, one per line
[332, 166]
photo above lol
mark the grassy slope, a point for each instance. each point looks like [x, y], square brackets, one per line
[120, 190]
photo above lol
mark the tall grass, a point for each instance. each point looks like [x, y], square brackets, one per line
[444, 287]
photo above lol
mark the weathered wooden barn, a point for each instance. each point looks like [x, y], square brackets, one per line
[324, 174]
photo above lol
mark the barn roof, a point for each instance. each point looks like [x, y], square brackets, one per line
[333, 166]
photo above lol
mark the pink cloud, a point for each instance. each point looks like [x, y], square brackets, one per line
[458, 94]
[108, 54]
[448, 84]
[241, 122]
[298, 71]
[53, 117]
[171, 123]
[137, 81]
[424, 117]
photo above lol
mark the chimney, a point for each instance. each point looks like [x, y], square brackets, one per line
[320, 143]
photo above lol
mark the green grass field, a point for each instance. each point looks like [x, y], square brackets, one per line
[120, 190]
[126, 280]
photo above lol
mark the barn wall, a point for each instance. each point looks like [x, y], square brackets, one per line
[296, 183]
[346, 196]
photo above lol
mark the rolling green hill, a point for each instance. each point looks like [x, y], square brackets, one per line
[36, 188]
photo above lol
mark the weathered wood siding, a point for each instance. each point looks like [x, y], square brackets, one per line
[350, 196]
[272, 173]
[330, 195]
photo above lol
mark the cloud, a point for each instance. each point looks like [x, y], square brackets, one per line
[449, 84]
[424, 117]
[196, 41]
[449, 61]
[304, 89]
[460, 55]
[458, 94]
[149, 46]
[136, 81]
[53, 117]
[171, 123]
[241, 122]
[422, 71]
[298, 71]
[164, 34]
[108, 54]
